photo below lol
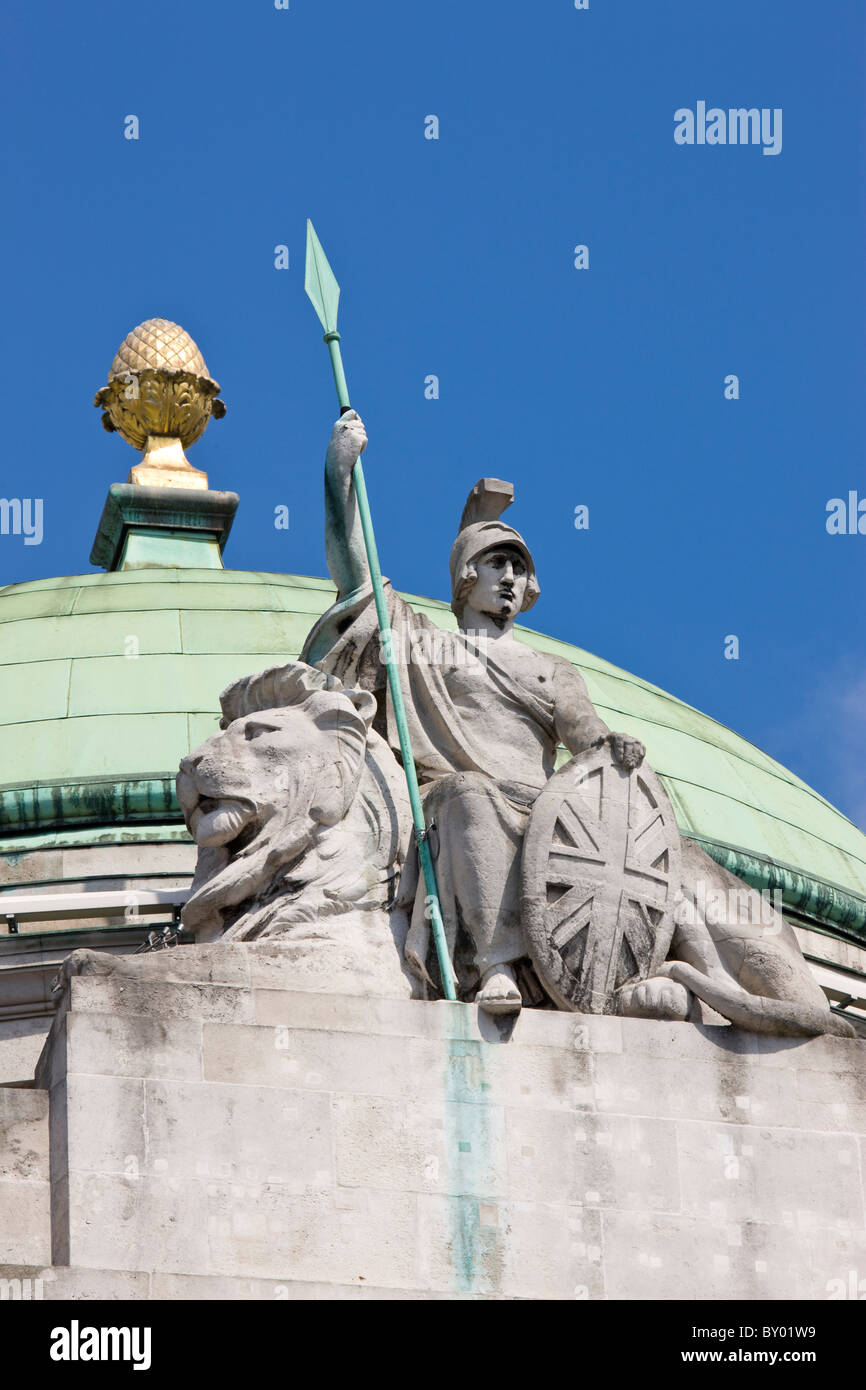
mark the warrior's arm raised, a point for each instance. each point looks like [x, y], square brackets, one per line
[344, 540]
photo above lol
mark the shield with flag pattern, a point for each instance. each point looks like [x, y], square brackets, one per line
[600, 874]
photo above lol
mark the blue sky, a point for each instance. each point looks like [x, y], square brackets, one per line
[602, 387]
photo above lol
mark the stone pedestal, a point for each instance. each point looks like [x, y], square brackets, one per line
[227, 1137]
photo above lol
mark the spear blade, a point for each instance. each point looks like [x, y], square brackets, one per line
[320, 282]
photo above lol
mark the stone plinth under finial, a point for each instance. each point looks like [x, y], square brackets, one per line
[163, 528]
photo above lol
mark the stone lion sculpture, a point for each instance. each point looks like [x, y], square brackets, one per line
[302, 820]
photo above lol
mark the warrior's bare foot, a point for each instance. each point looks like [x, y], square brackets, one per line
[499, 993]
[655, 998]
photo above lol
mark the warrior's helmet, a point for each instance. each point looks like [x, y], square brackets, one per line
[481, 530]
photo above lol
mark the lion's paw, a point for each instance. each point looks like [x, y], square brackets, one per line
[655, 998]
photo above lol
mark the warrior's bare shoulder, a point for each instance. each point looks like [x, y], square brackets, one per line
[529, 663]
[551, 669]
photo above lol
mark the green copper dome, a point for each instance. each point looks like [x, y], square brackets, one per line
[109, 679]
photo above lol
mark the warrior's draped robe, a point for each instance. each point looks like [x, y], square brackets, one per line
[477, 793]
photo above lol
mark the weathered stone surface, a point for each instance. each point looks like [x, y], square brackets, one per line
[618, 1161]
[24, 1127]
[210, 1287]
[509, 1249]
[172, 1002]
[725, 1088]
[132, 1044]
[20, 1046]
[295, 1059]
[732, 1172]
[59, 1283]
[246, 1134]
[261, 1230]
[392, 1148]
[104, 1117]
[24, 1222]
[24, 1198]
[412, 1146]
[62, 1284]
[134, 1223]
[668, 1256]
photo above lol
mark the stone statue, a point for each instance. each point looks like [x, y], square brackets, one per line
[302, 819]
[485, 715]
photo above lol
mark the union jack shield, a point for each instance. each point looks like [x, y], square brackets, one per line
[600, 873]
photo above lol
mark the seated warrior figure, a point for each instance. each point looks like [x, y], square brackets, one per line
[485, 715]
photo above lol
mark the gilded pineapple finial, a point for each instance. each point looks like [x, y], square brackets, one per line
[160, 398]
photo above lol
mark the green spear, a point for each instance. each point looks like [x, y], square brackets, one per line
[324, 292]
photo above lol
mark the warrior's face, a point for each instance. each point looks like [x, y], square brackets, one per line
[500, 586]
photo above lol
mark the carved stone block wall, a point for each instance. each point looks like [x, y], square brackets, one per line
[234, 1139]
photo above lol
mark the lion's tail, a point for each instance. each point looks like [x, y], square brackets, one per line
[755, 1012]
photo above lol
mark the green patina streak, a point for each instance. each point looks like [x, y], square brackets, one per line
[476, 1247]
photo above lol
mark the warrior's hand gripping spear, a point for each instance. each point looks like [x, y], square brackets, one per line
[324, 293]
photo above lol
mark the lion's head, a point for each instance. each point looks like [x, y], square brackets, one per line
[296, 805]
